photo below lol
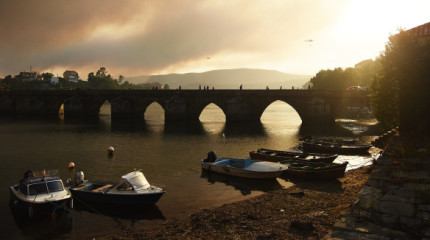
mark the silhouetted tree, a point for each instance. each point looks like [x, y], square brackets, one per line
[400, 90]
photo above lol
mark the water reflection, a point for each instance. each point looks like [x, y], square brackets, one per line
[129, 125]
[244, 129]
[245, 186]
[148, 212]
[43, 227]
[184, 128]
[325, 130]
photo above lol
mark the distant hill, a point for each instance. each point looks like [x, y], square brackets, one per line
[227, 79]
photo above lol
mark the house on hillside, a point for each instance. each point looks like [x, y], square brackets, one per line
[29, 76]
[54, 80]
[71, 76]
[156, 85]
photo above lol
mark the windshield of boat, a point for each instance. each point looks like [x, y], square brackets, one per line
[45, 187]
[139, 182]
[37, 188]
[55, 186]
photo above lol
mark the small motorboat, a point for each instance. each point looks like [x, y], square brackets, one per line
[314, 170]
[39, 193]
[329, 147]
[133, 189]
[279, 156]
[246, 168]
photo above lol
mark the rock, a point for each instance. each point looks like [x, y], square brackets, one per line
[397, 208]
[306, 226]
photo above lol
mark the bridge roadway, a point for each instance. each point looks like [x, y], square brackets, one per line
[179, 105]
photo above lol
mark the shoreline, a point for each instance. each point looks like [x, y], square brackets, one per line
[307, 210]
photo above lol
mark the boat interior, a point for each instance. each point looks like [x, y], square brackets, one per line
[236, 162]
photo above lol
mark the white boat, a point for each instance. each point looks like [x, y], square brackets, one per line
[246, 168]
[39, 193]
[133, 189]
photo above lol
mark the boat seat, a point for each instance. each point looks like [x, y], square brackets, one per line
[102, 188]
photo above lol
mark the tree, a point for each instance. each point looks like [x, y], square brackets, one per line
[102, 80]
[337, 79]
[400, 90]
[47, 76]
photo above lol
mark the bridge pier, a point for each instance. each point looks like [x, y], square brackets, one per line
[7, 106]
[37, 107]
[178, 110]
[316, 112]
[83, 108]
[126, 109]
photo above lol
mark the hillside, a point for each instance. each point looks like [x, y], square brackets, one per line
[227, 79]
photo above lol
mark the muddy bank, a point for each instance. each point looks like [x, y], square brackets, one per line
[307, 210]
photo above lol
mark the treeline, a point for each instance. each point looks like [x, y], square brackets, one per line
[398, 80]
[100, 80]
[340, 79]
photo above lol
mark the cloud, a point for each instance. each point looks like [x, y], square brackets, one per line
[134, 37]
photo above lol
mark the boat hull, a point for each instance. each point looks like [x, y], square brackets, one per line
[124, 199]
[279, 156]
[240, 172]
[338, 149]
[33, 208]
[334, 172]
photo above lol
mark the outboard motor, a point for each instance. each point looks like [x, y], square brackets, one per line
[79, 178]
[211, 156]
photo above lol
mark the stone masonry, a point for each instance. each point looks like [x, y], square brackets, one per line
[395, 202]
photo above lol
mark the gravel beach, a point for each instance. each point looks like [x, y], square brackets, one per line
[306, 210]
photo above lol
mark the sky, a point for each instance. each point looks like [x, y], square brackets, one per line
[146, 37]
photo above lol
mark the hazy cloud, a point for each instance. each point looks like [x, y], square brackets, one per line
[132, 37]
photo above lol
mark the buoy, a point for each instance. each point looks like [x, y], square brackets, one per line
[71, 164]
[110, 150]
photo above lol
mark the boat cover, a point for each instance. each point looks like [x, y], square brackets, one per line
[137, 180]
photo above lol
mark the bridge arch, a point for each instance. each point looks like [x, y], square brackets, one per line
[212, 113]
[105, 109]
[280, 110]
[154, 112]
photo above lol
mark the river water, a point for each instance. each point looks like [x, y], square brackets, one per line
[169, 156]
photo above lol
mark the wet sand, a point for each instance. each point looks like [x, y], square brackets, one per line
[306, 210]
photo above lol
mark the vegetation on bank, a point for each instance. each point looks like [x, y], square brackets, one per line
[340, 79]
[398, 79]
[99, 80]
[400, 87]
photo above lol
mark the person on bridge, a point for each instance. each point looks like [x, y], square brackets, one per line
[240, 87]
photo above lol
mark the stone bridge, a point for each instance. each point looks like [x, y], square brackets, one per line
[179, 105]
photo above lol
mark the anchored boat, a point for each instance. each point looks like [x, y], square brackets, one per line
[39, 193]
[314, 170]
[133, 189]
[246, 168]
[328, 147]
[279, 156]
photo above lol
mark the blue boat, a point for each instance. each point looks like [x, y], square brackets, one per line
[133, 189]
[245, 168]
[39, 193]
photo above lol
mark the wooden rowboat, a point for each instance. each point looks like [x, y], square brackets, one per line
[279, 156]
[314, 170]
[327, 147]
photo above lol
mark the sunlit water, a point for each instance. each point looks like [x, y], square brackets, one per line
[169, 156]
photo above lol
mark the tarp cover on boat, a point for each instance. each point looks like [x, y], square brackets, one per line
[137, 180]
